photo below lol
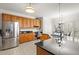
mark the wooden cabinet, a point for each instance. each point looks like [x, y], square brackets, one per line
[44, 37]
[34, 23]
[37, 23]
[28, 23]
[21, 38]
[6, 17]
[14, 18]
[31, 23]
[20, 20]
[26, 37]
[23, 22]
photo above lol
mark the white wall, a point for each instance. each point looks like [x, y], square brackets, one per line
[47, 25]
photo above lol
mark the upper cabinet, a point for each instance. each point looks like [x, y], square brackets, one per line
[37, 23]
[6, 17]
[14, 18]
[20, 20]
[23, 22]
[31, 23]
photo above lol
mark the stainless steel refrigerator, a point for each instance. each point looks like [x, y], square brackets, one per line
[10, 35]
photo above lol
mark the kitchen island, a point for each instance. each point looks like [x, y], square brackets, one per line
[50, 47]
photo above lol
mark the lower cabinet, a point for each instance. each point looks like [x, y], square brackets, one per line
[26, 37]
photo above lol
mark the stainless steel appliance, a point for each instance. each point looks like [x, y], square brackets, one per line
[10, 35]
[0, 42]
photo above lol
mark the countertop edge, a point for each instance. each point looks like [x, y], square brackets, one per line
[40, 44]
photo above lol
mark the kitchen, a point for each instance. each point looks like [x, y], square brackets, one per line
[44, 32]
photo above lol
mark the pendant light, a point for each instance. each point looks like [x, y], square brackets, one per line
[29, 8]
[59, 33]
[60, 21]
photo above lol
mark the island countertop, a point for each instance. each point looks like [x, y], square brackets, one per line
[68, 47]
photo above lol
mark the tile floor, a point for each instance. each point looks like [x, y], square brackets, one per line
[28, 48]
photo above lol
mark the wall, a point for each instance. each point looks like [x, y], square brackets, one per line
[47, 27]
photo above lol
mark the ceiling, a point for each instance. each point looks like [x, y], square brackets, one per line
[41, 9]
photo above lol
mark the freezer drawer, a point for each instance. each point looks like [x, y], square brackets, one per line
[9, 43]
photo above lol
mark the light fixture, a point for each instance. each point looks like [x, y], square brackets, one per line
[59, 33]
[29, 9]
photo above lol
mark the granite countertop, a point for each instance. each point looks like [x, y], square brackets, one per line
[68, 47]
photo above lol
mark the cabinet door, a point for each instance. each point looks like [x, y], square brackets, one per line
[34, 23]
[20, 20]
[14, 18]
[28, 23]
[31, 23]
[6, 17]
[24, 23]
[21, 38]
[37, 23]
[26, 37]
